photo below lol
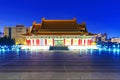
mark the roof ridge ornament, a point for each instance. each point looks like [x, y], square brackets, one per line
[83, 23]
[74, 19]
[43, 18]
[34, 22]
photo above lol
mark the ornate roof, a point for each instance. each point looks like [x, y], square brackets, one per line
[58, 27]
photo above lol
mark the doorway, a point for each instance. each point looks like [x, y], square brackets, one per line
[59, 42]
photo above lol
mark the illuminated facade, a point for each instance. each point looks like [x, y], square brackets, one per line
[15, 33]
[116, 40]
[59, 33]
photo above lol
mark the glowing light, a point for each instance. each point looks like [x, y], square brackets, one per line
[50, 42]
[17, 51]
[82, 47]
[67, 42]
[3, 50]
[100, 50]
[105, 49]
[35, 47]
[94, 43]
[75, 41]
[114, 50]
[118, 45]
[109, 49]
[8, 49]
[91, 51]
[118, 50]
[113, 45]
[12, 48]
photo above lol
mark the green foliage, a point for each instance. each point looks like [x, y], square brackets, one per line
[7, 41]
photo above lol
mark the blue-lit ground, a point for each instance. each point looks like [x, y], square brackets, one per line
[83, 64]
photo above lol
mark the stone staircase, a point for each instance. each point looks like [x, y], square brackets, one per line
[58, 48]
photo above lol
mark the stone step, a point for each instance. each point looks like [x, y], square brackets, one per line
[58, 48]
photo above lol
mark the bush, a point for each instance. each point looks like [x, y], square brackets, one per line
[7, 41]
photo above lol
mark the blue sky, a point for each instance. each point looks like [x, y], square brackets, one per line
[100, 15]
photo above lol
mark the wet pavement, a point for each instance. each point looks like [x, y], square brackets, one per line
[59, 65]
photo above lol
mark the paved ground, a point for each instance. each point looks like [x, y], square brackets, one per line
[59, 65]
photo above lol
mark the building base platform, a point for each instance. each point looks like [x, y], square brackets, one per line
[58, 47]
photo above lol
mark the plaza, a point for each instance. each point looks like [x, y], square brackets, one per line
[59, 65]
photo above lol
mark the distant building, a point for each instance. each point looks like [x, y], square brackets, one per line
[101, 37]
[117, 40]
[15, 33]
[1, 34]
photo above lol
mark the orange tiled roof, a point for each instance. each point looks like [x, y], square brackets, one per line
[58, 27]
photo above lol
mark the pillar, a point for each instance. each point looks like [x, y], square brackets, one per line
[90, 42]
[37, 42]
[71, 42]
[79, 42]
[53, 41]
[86, 42]
[82, 42]
[64, 41]
[42, 42]
[46, 42]
[31, 41]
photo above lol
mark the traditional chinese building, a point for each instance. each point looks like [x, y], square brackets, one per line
[59, 33]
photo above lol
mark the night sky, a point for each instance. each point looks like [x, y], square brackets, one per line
[101, 16]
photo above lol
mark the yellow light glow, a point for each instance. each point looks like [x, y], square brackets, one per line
[35, 47]
[75, 41]
[67, 42]
[93, 43]
[16, 43]
[50, 42]
[82, 47]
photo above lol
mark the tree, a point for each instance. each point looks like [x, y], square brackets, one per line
[7, 41]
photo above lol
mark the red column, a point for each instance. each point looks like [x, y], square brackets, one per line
[45, 41]
[84, 42]
[71, 41]
[90, 42]
[79, 42]
[27, 42]
[37, 42]
[64, 42]
[53, 41]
